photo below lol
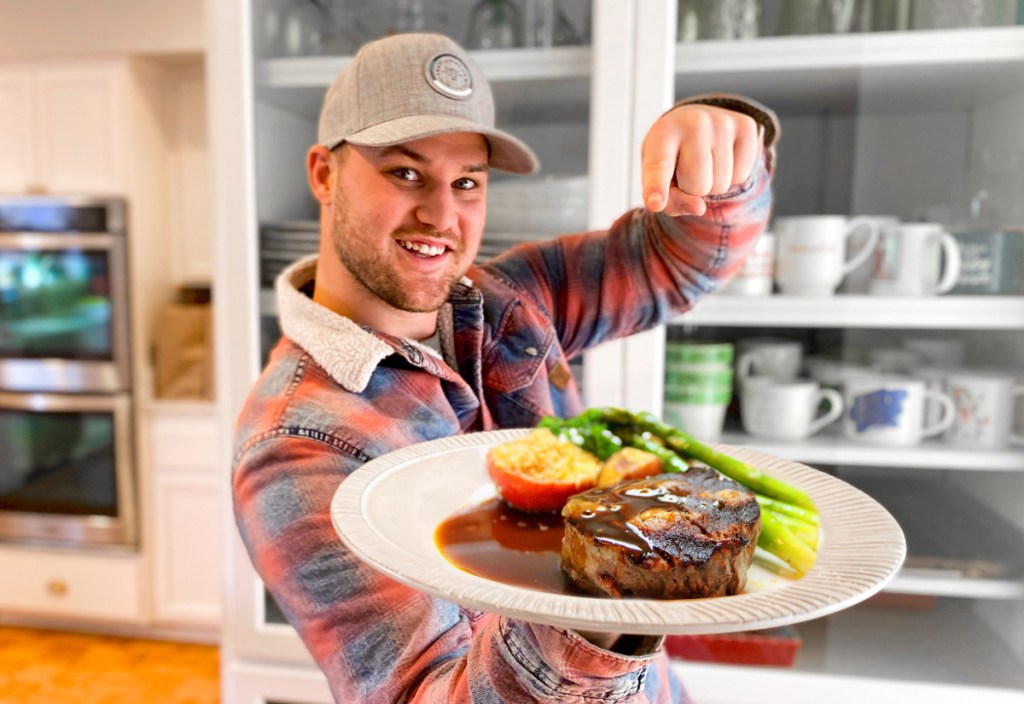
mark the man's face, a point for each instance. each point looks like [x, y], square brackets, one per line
[408, 219]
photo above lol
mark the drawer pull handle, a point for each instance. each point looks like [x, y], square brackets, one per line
[57, 587]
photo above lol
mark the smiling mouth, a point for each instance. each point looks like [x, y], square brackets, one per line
[422, 249]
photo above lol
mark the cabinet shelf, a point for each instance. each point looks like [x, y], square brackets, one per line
[986, 48]
[929, 573]
[499, 65]
[927, 69]
[950, 583]
[530, 85]
[852, 311]
[832, 449]
[944, 654]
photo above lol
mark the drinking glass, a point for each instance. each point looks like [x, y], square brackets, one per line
[495, 24]
[718, 19]
[953, 14]
[817, 16]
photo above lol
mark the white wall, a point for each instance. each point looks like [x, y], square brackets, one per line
[30, 28]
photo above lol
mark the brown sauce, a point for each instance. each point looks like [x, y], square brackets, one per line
[495, 541]
[499, 543]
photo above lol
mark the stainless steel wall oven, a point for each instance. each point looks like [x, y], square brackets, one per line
[66, 443]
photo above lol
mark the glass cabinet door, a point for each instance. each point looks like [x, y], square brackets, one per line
[917, 132]
[537, 56]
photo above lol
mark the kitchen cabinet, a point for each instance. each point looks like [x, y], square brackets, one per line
[968, 615]
[70, 586]
[861, 115]
[133, 127]
[907, 124]
[61, 127]
[263, 121]
[183, 490]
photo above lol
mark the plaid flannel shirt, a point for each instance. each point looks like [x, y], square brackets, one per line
[334, 395]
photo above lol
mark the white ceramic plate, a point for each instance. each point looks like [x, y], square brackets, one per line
[387, 512]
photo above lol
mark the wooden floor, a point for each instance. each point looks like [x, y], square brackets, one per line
[50, 667]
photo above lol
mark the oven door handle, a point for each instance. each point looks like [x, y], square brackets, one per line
[47, 402]
[62, 240]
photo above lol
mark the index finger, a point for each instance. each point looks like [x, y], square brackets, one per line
[658, 156]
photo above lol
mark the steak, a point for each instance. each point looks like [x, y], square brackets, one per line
[670, 536]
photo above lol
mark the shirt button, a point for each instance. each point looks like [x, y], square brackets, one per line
[531, 351]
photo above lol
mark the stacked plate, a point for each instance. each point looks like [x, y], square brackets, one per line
[545, 205]
[530, 208]
[283, 243]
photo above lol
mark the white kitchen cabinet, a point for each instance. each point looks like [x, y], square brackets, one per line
[183, 491]
[17, 169]
[62, 127]
[264, 119]
[905, 124]
[66, 586]
[172, 584]
[856, 110]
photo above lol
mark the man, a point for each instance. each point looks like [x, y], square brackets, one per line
[391, 336]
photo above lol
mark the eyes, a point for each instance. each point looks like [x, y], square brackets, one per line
[412, 176]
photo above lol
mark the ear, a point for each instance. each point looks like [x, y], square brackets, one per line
[320, 171]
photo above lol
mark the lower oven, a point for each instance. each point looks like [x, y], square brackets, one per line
[66, 470]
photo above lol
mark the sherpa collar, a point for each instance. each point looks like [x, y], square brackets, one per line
[348, 352]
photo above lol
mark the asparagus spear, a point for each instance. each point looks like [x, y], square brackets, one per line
[804, 531]
[780, 541]
[783, 508]
[685, 444]
[593, 437]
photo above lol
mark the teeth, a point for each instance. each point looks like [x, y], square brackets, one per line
[423, 249]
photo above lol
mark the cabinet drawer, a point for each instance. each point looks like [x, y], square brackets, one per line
[56, 583]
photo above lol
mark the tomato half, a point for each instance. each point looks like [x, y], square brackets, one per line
[540, 472]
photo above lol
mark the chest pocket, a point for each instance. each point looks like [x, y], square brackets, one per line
[519, 350]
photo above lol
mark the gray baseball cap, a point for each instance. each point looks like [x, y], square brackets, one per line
[409, 86]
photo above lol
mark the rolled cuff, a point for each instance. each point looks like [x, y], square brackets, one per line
[561, 664]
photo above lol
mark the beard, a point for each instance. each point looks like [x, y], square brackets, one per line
[353, 246]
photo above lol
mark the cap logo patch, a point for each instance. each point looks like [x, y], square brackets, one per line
[449, 76]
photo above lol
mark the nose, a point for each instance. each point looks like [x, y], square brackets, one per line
[439, 209]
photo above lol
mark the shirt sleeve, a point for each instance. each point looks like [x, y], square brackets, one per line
[644, 270]
[377, 640]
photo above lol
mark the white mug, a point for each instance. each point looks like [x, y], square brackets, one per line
[787, 410]
[764, 356]
[703, 421]
[916, 259]
[890, 410]
[985, 404]
[811, 253]
[859, 278]
[934, 378]
[757, 274]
